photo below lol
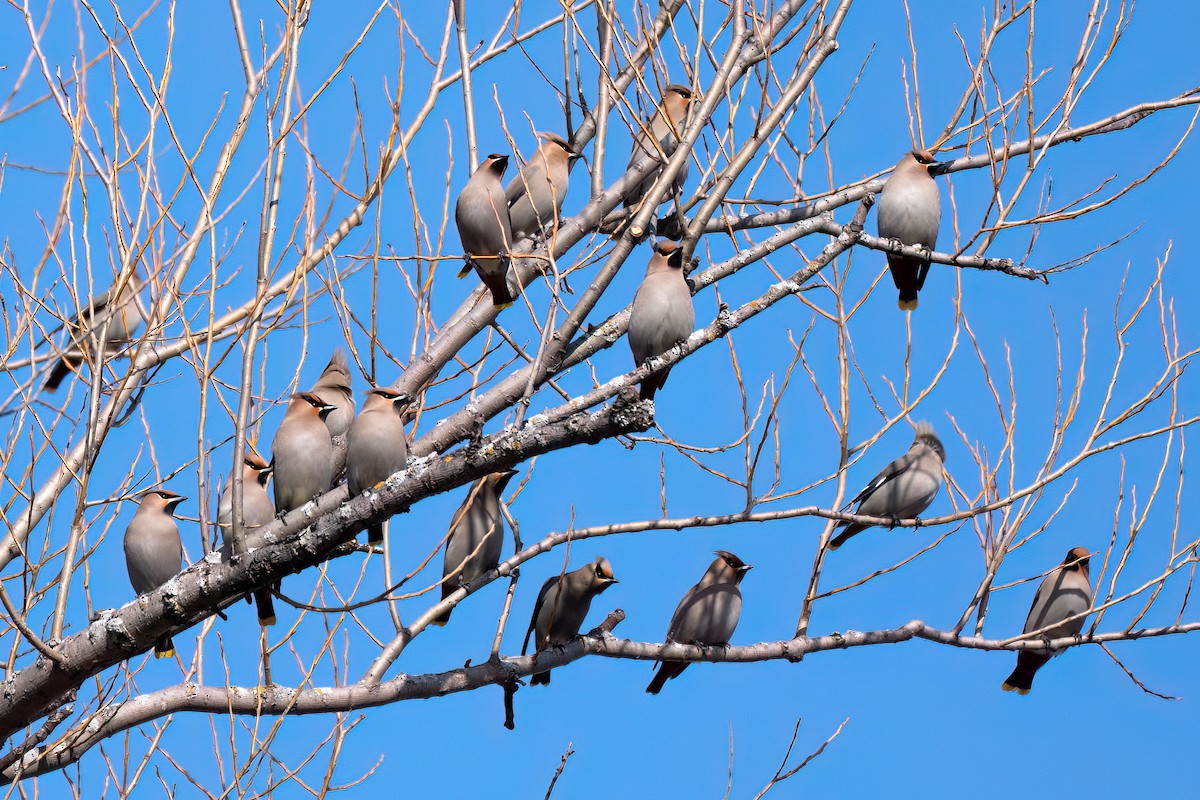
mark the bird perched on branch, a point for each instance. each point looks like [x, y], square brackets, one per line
[910, 211]
[153, 549]
[257, 511]
[476, 536]
[562, 606]
[904, 489]
[376, 446]
[485, 229]
[707, 615]
[1064, 593]
[302, 452]
[658, 139]
[662, 313]
[536, 195]
[109, 319]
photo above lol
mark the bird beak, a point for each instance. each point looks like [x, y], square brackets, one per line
[746, 568]
[939, 168]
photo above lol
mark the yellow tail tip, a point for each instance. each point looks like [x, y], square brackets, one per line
[165, 654]
[907, 305]
[1008, 687]
[502, 306]
[266, 621]
[439, 623]
[465, 271]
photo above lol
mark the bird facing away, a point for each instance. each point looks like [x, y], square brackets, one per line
[334, 387]
[662, 313]
[476, 536]
[153, 549]
[257, 511]
[1063, 593]
[536, 195]
[562, 606]
[484, 228]
[910, 211]
[708, 614]
[110, 318]
[904, 489]
[376, 446]
[302, 452]
[661, 135]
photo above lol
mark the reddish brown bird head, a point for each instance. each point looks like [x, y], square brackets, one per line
[561, 146]
[678, 88]
[497, 163]
[385, 396]
[733, 563]
[602, 575]
[931, 164]
[667, 253]
[160, 498]
[307, 402]
[255, 468]
[1077, 559]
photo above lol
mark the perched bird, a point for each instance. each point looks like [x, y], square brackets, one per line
[257, 511]
[153, 549]
[476, 536]
[910, 211]
[375, 446]
[484, 228]
[708, 614]
[664, 128]
[110, 318]
[333, 387]
[562, 606]
[537, 193]
[302, 452]
[662, 313]
[1065, 592]
[904, 489]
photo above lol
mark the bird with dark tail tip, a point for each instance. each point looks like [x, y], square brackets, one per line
[708, 614]
[153, 549]
[910, 211]
[485, 228]
[376, 446]
[257, 511]
[904, 489]
[662, 313]
[562, 606]
[1066, 592]
[476, 536]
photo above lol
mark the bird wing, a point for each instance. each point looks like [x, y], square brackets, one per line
[892, 471]
[537, 607]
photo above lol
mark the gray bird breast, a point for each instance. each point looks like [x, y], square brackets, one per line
[662, 314]
[711, 616]
[911, 213]
[905, 496]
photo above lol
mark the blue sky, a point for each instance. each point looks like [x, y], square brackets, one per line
[913, 708]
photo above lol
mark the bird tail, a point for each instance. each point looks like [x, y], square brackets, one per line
[845, 535]
[907, 303]
[164, 647]
[502, 298]
[666, 671]
[653, 383]
[375, 535]
[1021, 679]
[540, 679]
[61, 370]
[466, 268]
[265, 605]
